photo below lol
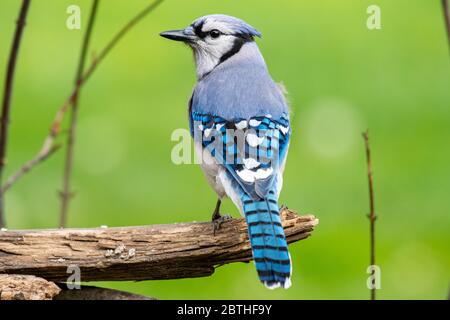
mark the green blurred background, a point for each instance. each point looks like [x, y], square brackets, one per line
[342, 78]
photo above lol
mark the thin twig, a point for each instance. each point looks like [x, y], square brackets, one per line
[55, 128]
[446, 8]
[42, 156]
[66, 193]
[372, 217]
[48, 148]
[119, 36]
[6, 106]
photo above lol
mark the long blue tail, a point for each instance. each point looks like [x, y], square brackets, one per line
[270, 250]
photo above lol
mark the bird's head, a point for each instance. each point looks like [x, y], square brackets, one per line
[214, 39]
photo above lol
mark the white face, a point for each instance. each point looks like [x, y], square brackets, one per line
[213, 43]
[214, 39]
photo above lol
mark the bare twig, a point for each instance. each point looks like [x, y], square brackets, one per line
[48, 148]
[119, 36]
[6, 106]
[56, 124]
[45, 153]
[372, 217]
[446, 8]
[66, 193]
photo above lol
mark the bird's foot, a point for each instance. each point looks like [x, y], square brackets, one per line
[217, 221]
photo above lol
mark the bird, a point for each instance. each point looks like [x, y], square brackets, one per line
[239, 121]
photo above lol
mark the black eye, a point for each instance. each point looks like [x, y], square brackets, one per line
[214, 33]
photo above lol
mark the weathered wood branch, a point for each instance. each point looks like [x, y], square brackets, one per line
[24, 287]
[183, 250]
[96, 293]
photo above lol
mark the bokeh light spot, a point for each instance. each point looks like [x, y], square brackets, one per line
[331, 127]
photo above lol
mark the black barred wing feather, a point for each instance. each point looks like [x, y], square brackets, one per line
[252, 149]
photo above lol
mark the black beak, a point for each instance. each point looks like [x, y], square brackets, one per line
[177, 35]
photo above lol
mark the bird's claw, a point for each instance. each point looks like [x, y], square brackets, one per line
[217, 221]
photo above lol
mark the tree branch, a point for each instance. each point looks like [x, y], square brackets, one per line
[96, 293]
[446, 8]
[25, 287]
[66, 193]
[45, 153]
[55, 128]
[182, 250]
[372, 217]
[6, 106]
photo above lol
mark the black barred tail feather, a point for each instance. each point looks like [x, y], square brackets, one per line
[269, 246]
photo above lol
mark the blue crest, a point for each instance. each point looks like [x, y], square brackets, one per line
[238, 26]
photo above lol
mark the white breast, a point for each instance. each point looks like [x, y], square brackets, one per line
[217, 176]
[210, 168]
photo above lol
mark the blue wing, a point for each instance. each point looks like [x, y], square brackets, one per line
[241, 117]
[252, 149]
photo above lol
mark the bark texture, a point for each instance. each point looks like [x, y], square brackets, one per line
[183, 250]
[23, 287]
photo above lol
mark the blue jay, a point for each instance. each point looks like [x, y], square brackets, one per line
[239, 119]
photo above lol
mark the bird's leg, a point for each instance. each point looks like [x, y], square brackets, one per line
[217, 219]
[216, 214]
